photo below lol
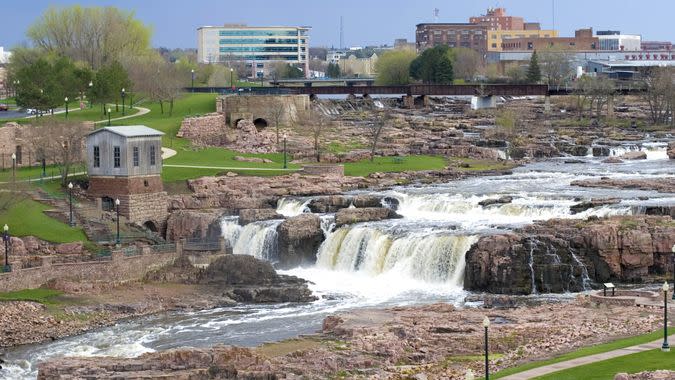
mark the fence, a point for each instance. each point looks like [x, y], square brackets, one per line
[203, 245]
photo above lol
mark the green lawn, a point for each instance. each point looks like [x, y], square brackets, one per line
[605, 370]
[43, 296]
[394, 164]
[25, 173]
[26, 217]
[75, 114]
[586, 351]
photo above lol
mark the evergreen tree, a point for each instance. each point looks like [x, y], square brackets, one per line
[433, 66]
[533, 71]
[333, 71]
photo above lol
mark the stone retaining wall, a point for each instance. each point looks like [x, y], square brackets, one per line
[204, 130]
[119, 268]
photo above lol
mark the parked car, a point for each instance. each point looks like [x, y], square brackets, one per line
[4, 107]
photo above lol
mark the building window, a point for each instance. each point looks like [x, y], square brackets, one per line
[153, 158]
[494, 45]
[137, 158]
[97, 157]
[116, 157]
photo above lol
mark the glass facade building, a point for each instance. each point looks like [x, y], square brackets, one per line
[221, 44]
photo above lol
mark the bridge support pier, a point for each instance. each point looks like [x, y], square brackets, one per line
[408, 101]
[424, 100]
[481, 102]
[547, 104]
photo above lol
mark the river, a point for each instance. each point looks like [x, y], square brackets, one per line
[413, 260]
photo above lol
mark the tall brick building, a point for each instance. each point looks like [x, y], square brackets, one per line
[496, 19]
[125, 163]
[472, 36]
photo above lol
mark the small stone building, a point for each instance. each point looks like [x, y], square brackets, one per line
[125, 163]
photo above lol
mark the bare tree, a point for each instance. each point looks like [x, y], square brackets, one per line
[466, 62]
[556, 65]
[61, 142]
[381, 120]
[275, 113]
[313, 123]
[660, 93]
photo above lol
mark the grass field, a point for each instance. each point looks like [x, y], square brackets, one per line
[26, 173]
[43, 296]
[605, 370]
[26, 217]
[586, 351]
[394, 164]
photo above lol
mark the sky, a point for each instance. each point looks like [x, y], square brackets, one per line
[366, 22]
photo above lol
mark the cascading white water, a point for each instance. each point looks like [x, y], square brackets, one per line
[435, 257]
[530, 263]
[257, 239]
[585, 278]
[289, 207]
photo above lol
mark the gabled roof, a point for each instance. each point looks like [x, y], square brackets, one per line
[131, 131]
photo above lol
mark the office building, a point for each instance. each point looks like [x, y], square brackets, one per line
[614, 40]
[496, 38]
[254, 45]
[472, 36]
[583, 40]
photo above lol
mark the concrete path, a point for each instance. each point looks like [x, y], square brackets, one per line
[225, 168]
[168, 153]
[37, 179]
[141, 111]
[547, 369]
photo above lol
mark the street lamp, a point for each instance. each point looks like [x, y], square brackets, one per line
[117, 206]
[109, 110]
[665, 347]
[5, 238]
[66, 100]
[124, 93]
[192, 87]
[285, 161]
[486, 325]
[13, 167]
[231, 77]
[91, 97]
[70, 196]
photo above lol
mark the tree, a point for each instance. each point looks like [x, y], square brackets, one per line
[660, 93]
[433, 66]
[515, 73]
[376, 126]
[465, 62]
[109, 82]
[281, 70]
[393, 67]
[61, 142]
[275, 113]
[556, 66]
[96, 35]
[333, 70]
[533, 70]
[313, 123]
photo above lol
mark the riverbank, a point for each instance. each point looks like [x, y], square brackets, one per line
[431, 341]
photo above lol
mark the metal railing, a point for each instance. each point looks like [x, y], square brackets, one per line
[163, 248]
[201, 245]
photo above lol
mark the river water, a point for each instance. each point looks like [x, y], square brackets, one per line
[413, 260]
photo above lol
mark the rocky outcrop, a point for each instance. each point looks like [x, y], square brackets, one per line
[253, 159]
[494, 201]
[601, 151]
[636, 155]
[662, 185]
[299, 239]
[366, 214]
[193, 224]
[247, 216]
[650, 375]
[671, 150]
[567, 255]
[242, 278]
[593, 203]
[333, 203]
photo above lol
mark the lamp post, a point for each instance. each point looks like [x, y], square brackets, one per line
[109, 110]
[124, 93]
[13, 168]
[117, 206]
[70, 196]
[232, 77]
[285, 161]
[192, 86]
[486, 325]
[91, 97]
[673, 250]
[5, 238]
[66, 101]
[665, 347]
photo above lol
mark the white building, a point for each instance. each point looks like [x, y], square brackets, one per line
[614, 40]
[4, 56]
[256, 45]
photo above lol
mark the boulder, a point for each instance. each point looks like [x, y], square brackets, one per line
[367, 201]
[366, 214]
[253, 159]
[671, 150]
[330, 203]
[70, 248]
[193, 224]
[612, 160]
[247, 216]
[299, 239]
[635, 155]
[600, 151]
[492, 201]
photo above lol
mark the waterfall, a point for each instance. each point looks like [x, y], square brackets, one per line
[585, 278]
[290, 207]
[257, 239]
[327, 224]
[531, 265]
[433, 257]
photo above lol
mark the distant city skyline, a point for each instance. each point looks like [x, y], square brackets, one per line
[365, 22]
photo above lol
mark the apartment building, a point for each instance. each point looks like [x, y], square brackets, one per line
[496, 19]
[472, 36]
[255, 45]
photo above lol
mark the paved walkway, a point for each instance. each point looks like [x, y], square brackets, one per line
[547, 369]
[168, 153]
[141, 111]
[225, 167]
